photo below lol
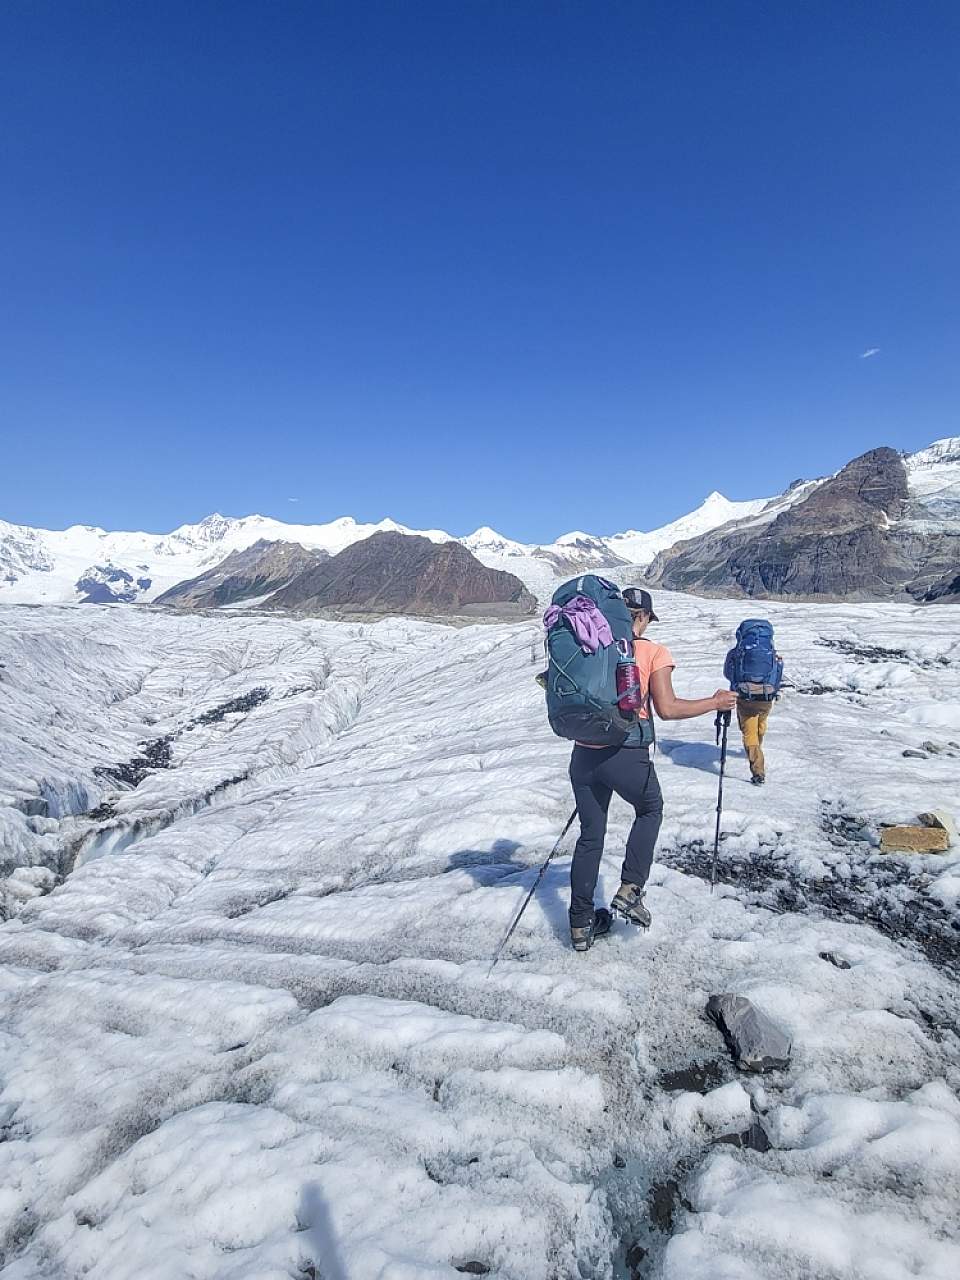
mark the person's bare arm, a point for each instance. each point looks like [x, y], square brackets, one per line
[669, 707]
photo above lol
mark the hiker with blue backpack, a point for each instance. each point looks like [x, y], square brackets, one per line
[604, 680]
[755, 670]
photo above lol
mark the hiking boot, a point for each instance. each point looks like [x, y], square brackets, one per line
[582, 936]
[757, 779]
[628, 902]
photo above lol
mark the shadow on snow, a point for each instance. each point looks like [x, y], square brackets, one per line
[500, 864]
[314, 1219]
[697, 755]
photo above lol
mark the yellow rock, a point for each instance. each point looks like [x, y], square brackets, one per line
[914, 840]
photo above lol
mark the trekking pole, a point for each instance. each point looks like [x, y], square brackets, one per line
[553, 853]
[722, 721]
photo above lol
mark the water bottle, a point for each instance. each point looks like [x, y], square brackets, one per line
[629, 693]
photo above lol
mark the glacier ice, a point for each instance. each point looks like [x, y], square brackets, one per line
[247, 1028]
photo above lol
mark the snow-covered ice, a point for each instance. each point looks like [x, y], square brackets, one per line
[246, 1022]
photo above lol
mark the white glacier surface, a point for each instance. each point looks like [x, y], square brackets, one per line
[247, 1024]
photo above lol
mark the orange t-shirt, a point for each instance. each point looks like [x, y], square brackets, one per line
[649, 657]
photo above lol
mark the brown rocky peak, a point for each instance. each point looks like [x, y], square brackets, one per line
[868, 491]
[249, 573]
[402, 573]
[859, 535]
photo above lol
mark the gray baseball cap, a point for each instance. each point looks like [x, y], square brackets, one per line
[638, 599]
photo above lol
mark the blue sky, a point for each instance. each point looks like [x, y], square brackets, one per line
[537, 265]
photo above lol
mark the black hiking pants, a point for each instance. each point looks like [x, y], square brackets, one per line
[596, 775]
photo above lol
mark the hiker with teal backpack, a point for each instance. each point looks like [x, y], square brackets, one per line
[604, 680]
[755, 670]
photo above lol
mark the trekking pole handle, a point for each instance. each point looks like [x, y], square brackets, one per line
[722, 721]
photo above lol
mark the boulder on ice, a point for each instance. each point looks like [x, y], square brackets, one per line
[914, 839]
[757, 1043]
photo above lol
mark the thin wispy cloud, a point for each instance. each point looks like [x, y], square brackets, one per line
[870, 351]
[293, 499]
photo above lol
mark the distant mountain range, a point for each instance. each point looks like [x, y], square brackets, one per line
[87, 564]
[886, 526]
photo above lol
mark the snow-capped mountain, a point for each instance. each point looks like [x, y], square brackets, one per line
[89, 564]
[42, 566]
[640, 548]
[486, 541]
[57, 566]
[933, 477]
[21, 552]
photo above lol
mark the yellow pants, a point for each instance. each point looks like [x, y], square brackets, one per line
[752, 717]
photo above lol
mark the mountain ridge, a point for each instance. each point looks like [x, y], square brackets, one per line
[885, 526]
[45, 565]
[88, 563]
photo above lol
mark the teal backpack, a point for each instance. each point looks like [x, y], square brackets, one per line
[582, 687]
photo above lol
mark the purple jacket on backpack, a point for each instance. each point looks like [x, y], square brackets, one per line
[587, 622]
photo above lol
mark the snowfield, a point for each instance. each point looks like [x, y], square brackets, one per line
[254, 871]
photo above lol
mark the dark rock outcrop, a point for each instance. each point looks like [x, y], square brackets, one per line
[857, 536]
[399, 573]
[244, 575]
[944, 589]
[106, 584]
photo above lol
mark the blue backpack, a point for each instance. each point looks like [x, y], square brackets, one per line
[753, 667]
[582, 687]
